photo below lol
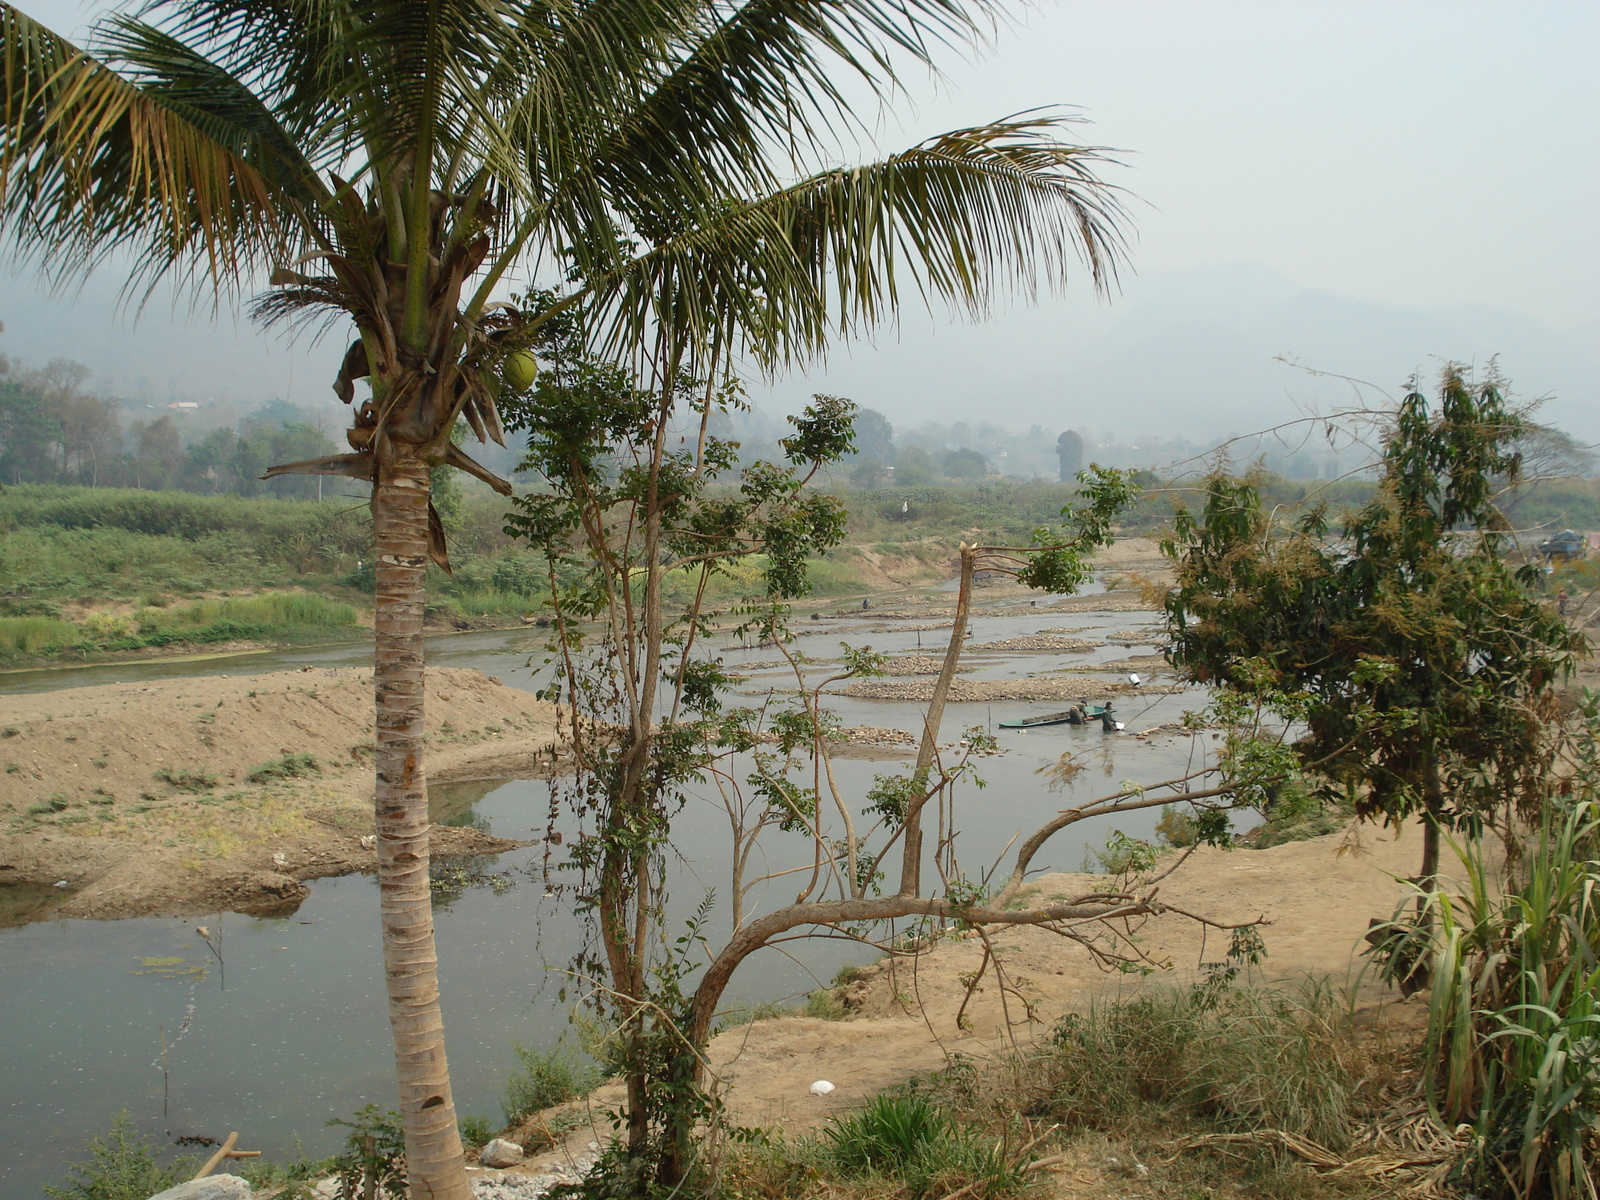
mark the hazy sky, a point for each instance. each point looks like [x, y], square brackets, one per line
[1416, 154]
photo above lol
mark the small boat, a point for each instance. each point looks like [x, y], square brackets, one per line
[1073, 716]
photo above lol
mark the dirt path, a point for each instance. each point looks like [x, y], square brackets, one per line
[187, 795]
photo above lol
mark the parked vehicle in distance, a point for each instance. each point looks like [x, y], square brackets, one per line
[1564, 546]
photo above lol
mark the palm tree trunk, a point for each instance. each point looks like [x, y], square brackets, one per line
[411, 967]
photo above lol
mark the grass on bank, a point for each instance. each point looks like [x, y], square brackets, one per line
[1131, 1090]
[276, 616]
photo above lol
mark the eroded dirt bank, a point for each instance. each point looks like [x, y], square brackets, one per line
[188, 795]
[1316, 897]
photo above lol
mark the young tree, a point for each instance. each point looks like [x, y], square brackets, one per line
[1420, 661]
[387, 162]
[159, 457]
[646, 530]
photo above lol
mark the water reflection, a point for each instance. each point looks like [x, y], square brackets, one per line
[24, 902]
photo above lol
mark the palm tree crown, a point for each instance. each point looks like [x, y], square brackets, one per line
[388, 162]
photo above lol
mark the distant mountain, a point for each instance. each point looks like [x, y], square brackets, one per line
[167, 352]
[1192, 354]
[1179, 354]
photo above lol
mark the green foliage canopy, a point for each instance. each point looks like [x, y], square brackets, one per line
[1418, 658]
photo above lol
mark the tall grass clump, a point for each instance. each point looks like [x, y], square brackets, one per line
[35, 635]
[906, 1138]
[279, 611]
[545, 1079]
[1514, 1015]
[1249, 1059]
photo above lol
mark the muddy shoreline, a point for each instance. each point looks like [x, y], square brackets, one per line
[187, 796]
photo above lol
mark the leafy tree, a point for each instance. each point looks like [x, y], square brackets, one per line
[874, 437]
[1545, 454]
[387, 162]
[638, 531]
[29, 432]
[159, 457]
[915, 467]
[965, 464]
[1417, 657]
[1069, 449]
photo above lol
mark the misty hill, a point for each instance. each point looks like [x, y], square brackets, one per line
[1183, 355]
[1190, 354]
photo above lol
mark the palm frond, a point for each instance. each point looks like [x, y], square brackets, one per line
[206, 95]
[640, 107]
[960, 219]
[90, 163]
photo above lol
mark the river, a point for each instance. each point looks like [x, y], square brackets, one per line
[288, 1030]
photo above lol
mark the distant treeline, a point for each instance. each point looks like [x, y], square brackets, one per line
[54, 431]
[933, 454]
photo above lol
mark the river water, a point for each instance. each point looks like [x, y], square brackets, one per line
[289, 1030]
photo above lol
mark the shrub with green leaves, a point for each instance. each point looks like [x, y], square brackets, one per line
[1176, 827]
[476, 1131]
[122, 1165]
[1514, 1012]
[375, 1153]
[545, 1079]
[35, 635]
[904, 1136]
[290, 766]
[187, 780]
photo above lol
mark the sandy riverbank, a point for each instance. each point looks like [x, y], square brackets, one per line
[186, 795]
[1315, 896]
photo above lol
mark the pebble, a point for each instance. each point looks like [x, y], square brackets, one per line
[516, 1186]
[1036, 641]
[502, 1185]
[871, 735]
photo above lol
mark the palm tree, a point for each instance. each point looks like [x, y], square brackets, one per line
[386, 162]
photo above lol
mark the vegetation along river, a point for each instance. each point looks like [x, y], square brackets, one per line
[288, 1029]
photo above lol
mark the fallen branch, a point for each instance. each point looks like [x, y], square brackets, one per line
[1313, 1153]
[226, 1150]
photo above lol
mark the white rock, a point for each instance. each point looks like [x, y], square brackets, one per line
[500, 1153]
[821, 1088]
[212, 1187]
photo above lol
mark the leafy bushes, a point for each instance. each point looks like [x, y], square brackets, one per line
[546, 1078]
[278, 615]
[290, 766]
[108, 627]
[374, 1158]
[1514, 1016]
[1245, 1060]
[191, 781]
[904, 1137]
[123, 1165]
[279, 611]
[35, 635]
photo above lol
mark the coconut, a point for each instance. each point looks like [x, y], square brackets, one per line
[520, 370]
